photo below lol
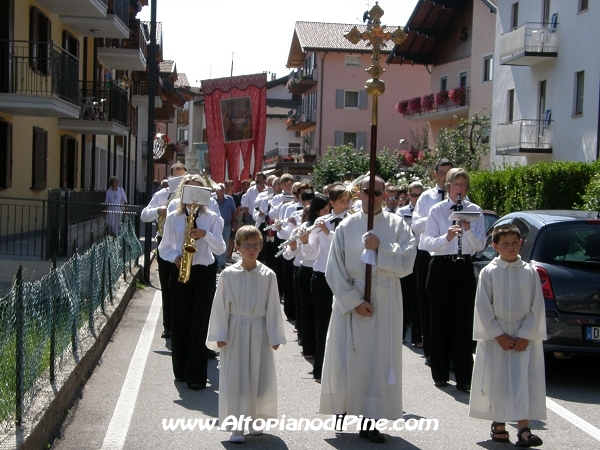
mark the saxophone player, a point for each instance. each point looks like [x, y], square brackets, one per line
[192, 299]
[157, 210]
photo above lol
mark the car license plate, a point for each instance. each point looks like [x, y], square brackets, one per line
[592, 334]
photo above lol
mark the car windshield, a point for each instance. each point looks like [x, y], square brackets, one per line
[569, 244]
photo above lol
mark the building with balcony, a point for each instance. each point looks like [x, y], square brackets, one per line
[546, 90]
[335, 108]
[452, 39]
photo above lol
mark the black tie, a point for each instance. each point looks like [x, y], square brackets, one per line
[442, 192]
[336, 222]
[411, 209]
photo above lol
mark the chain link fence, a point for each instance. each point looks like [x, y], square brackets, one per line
[43, 322]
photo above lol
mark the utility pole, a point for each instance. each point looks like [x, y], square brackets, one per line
[232, 53]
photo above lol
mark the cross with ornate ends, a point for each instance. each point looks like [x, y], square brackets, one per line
[376, 37]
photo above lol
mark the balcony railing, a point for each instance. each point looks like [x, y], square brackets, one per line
[524, 136]
[38, 68]
[529, 44]
[119, 8]
[111, 50]
[298, 121]
[104, 101]
[436, 106]
[300, 82]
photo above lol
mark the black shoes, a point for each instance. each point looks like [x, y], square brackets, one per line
[196, 386]
[166, 334]
[440, 384]
[212, 354]
[427, 362]
[372, 435]
[464, 387]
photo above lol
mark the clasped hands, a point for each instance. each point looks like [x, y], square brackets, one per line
[197, 233]
[222, 344]
[508, 343]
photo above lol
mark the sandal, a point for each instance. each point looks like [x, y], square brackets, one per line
[499, 435]
[530, 441]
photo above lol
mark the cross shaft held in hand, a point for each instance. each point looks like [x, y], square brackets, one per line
[377, 38]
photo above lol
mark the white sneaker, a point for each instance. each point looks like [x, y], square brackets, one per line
[237, 437]
[253, 431]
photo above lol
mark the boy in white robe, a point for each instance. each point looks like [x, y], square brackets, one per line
[247, 325]
[510, 323]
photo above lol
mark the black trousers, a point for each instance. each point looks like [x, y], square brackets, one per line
[307, 310]
[323, 303]
[279, 261]
[451, 290]
[289, 289]
[190, 307]
[164, 272]
[412, 312]
[422, 268]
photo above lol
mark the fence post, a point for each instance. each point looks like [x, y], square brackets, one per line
[103, 290]
[91, 299]
[53, 314]
[19, 347]
[110, 281]
[76, 302]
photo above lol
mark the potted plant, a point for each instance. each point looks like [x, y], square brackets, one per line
[414, 104]
[441, 98]
[458, 95]
[427, 102]
[402, 107]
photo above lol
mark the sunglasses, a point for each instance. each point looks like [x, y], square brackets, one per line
[376, 193]
[415, 195]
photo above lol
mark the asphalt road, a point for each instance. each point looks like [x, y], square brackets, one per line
[132, 392]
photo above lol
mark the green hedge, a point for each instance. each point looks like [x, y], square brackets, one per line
[546, 185]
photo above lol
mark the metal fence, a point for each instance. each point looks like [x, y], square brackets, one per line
[42, 322]
[48, 228]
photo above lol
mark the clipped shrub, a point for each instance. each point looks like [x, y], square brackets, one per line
[545, 185]
[591, 198]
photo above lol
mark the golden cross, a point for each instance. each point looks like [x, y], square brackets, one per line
[377, 37]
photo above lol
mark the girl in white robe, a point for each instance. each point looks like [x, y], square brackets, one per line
[247, 325]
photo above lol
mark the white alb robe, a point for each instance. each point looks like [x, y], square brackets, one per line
[508, 385]
[362, 370]
[246, 314]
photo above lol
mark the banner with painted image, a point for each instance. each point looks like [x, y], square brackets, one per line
[236, 114]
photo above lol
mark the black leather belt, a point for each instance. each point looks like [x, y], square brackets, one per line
[451, 257]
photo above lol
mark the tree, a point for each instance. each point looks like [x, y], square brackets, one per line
[465, 146]
[345, 161]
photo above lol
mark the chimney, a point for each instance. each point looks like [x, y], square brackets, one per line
[273, 76]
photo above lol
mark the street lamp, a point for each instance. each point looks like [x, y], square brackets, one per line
[376, 37]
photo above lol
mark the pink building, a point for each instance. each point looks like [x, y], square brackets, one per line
[454, 39]
[331, 77]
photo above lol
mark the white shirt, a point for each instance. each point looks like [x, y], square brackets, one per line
[171, 245]
[406, 212]
[434, 238]
[158, 200]
[213, 206]
[251, 194]
[419, 218]
[318, 246]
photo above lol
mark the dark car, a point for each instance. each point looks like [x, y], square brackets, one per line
[564, 248]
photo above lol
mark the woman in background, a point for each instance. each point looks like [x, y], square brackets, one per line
[115, 198]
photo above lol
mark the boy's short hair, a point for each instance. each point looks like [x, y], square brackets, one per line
[443, 162]
[503, 230]
[415, 184]
[337, 191]
[247, 232]
[286, 177]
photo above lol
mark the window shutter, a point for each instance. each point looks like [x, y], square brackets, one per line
[73, 163]
[339, 98]
[39, 163]
[362, 99]
[64, 153]
[362, 140]
[5, 155]
[339, 136]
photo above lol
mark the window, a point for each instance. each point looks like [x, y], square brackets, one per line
[542, 100]
[583, 5]
[514, 15]
[350, 139]
[511, 105]
[5, 154]
[444, 84]
[39, 41]
[71, 44]
[351, 99]
[488, 67]
[546, 11]
[183, 134]
[39, 161]
[352, 60]
[463, 80]
[579, 82]
[68, 162]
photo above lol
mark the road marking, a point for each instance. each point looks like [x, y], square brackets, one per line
[575, 420]
[119, 424]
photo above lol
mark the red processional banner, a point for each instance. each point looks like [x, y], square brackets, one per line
[236, 124]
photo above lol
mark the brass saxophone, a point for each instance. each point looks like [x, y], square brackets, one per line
[189, 246]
